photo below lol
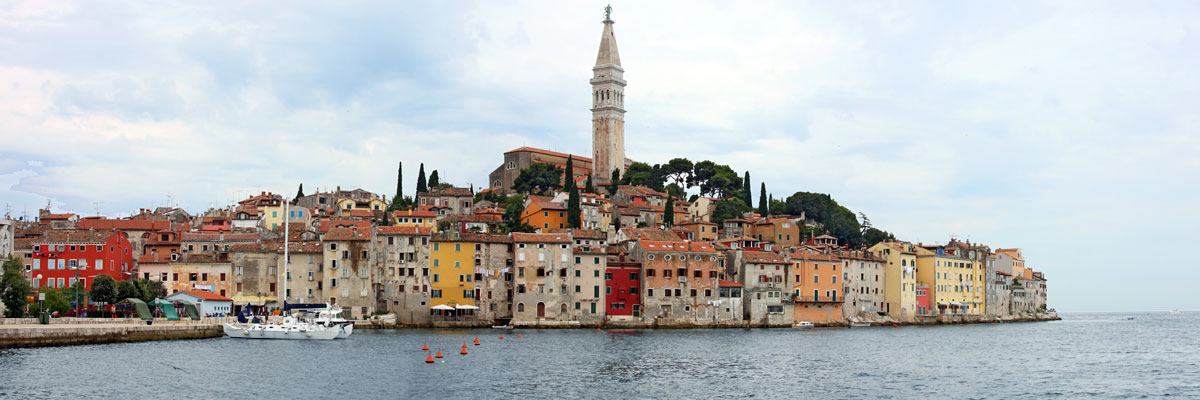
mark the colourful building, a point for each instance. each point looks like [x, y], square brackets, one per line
[544, 215]
[922, 299]
[622, 286]
[900, 274]
[415, 219]
[818, 281]
[955, 282]
[65, 256]
[452, 261]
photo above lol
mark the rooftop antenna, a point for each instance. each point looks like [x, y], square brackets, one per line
[97, 204]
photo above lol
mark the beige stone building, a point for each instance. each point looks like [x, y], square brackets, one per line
[348, 279]
[542, 280]
[401, 265]
[865, 280]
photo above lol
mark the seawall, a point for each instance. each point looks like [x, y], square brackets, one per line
[64, 334]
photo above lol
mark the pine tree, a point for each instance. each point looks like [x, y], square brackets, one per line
[669, 212]
[569, 174]
[746, 189]
[612, 185]
[762, 199]
[588, 186]
[433, 179]
[421, 188]
[574, 219]
[300, 192]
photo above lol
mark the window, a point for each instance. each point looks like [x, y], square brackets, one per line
[649, 273]
[435, 293]
[816, 279]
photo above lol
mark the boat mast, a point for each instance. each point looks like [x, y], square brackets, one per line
[286, 210]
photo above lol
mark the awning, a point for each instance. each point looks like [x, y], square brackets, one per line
[465, 307]
[442, 307]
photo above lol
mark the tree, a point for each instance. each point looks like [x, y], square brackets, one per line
[127, 290]
[616, 219]
[152, 289]
[13, 289]
[421, 186]
[514, 206]
[574, 219]
[399, 181]
[569, 175]
[746, 189]
[776, 207]
[638, 174]
[669, 212]
[539, 178]
[104, 290]
[762, 199]
[616, 180]
[55, 301]
[871, 236]
[866, 222]
[678, 170]
[433, 179]
[675, 190]
[300, 192]
[587, 187]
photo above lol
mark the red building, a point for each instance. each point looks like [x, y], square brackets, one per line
[922, 299]
[622, 281]
[66, 255]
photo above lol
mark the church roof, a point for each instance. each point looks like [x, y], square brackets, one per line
[608, 47]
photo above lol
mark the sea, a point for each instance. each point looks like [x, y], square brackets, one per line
[1085, 355]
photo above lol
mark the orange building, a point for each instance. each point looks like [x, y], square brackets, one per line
[817, 291]
[544, 215]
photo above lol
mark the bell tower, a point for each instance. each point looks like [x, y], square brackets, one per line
[608, 107]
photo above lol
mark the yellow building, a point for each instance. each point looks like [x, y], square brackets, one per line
[452, 264]
[955, 281]
[900, 276]
[416, 219]
[375, 204]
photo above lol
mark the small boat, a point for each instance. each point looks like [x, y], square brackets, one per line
[330, 318]
[1175, 312]
[1129, 319]
[802, 325]
[507, 327]
[859, 324]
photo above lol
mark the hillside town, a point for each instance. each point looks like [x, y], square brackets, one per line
[554, 240]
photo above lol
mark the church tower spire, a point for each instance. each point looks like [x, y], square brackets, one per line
[608, 106]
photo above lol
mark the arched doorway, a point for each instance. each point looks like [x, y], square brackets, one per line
[563, 309]
[541, 310]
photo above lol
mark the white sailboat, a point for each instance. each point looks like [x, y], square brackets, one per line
[289, 327]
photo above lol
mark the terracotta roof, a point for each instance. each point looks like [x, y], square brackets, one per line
[23, 244]
[362, 213]
[57, 217]
[545, 203]
[812, 256]
[155, 258]
[124, 224]
[724, 283]
[206, 295]
[763, 257]
[548, 152]
[651, 234]
[679, 246]
[484, 238]
[218, 237]
[76, 236]
[405, 230]
[347, 234]
[540, 237]
[453, 191]
[326, 224]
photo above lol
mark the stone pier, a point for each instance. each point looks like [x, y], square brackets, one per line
[30, 335]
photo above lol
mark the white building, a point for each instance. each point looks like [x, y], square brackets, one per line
[208, 303]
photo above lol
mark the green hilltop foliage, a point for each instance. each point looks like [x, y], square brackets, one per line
[539, 178]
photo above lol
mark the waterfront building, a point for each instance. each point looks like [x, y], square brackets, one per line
[348, 279]
[680, 281]
[952, 279]
[216, 244]
[818, 278]
[622, 286]
[453, 267]
[922, 300]
[588, 286]
[765, 278]
[493, 276]
[544, 214]
[900, 275]
[139, 231]
[208, 304]
[189, 272]
[256, 270]
[541, 284]
[305, 272]
[729, 302]
[403, 256]
[999, 292]
[63, 256]
[864, 280]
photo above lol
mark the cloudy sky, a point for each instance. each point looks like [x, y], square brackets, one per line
[1068, 129]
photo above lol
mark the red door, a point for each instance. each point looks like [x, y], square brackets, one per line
[541, 310]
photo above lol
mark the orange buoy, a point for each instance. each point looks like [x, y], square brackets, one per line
[429, 359]
[439, 354]
[476, 341]
[425, 347]
[464, 345]
[464, 351]
[895, 325]
[518, 336]
[502, 336]
[597, 329]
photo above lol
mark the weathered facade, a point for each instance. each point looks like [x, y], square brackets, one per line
[765, 278]
[680, 279]
[542, 279]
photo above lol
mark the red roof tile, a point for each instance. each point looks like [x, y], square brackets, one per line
[548, 152]
[540, 237]
[347, 234]
[405, 230]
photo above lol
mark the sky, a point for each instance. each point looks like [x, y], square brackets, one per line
[1069, 129]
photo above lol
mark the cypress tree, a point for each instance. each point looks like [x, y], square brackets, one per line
[569, 174]
[574, 219]
[300, 192]
[669, 212]
[400, 181]
[421, 188]
[588, 186]
[616, 178]
[762, 199]
[746, 190]
[433, 179]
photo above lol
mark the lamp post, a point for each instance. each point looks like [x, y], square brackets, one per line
[77, 275]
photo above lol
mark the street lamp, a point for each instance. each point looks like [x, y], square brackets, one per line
[77, 275]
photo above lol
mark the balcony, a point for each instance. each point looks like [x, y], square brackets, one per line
[817, 299]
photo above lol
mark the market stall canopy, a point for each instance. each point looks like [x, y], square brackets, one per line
[143, 311]
[442, 307]
[466, 307]
[167, 307]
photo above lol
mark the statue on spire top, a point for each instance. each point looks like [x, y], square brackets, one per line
[608, 12]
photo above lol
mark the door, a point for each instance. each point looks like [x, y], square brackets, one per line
[541, 310]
